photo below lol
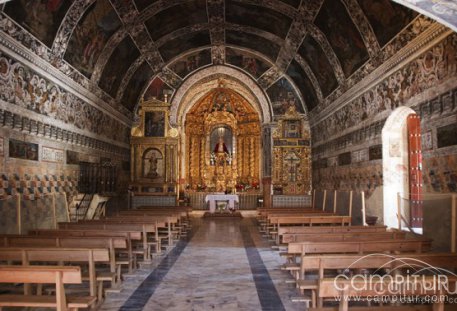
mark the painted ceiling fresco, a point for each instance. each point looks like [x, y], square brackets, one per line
[302, 50]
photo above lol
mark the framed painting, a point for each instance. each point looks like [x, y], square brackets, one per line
[154, 124]
[292, 129]
[23, 150]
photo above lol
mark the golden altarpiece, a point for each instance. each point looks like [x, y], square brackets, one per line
[291, 155]
[154, 150]
[222, 143]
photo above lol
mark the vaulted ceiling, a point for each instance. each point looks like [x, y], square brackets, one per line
[313, 50]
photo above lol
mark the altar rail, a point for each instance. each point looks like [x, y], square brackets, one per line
[152, 200]
[291, 200]
[248, 201]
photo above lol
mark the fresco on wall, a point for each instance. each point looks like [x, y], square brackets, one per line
[282, 96]
[23, 150]
[335, 22]
[191, 62]
[176, 17]
[301, 80]
[41, 18]
[23, 87]
[135, 86]
[143, 4]
[447, 135]
[312, 52]
[258, 17]
[266, 47]
[246, 61]
[184, 43]
[386, 18]
[88, 39]
[440, 174]
[158, 90]
[432, 68]
[118, 64]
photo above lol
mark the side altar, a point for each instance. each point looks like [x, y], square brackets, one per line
[154, 155]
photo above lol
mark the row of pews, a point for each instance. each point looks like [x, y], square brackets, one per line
[94, 255]
[326, 256]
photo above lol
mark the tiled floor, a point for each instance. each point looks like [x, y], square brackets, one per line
[225, 265]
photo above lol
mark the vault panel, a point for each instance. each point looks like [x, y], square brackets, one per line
[135, 85]
[301, 80]
[256, 43]
[184, 43]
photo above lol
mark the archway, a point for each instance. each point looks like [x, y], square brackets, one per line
[402, 167]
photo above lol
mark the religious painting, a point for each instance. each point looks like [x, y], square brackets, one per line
[282, 96]
[119, 62]
[158, 89]
[42, 18]
[89, 37]
[447, 135]
[256, 16]
[191, 62]
[344, 159]
[49, 154]
[23, 150]
[301, 80]
[312, 52]
[143, 4]
[256, 43]
[386, 17]
[427, 140]
[153, 164]
[292, 129]
[72, 157]
[246, 61]
[135, 86]
[154, 124]
[291, 166]
[178, 16]
[375, 152]
[184, 43]
[336, 23]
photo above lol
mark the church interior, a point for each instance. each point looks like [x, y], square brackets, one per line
[227, 154]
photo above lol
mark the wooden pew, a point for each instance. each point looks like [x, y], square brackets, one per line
[392, 262]
[87, 256]
[343, 236]
[331, 288]
[44, 275]
[144, 228]
[130, 237]
[112, 243]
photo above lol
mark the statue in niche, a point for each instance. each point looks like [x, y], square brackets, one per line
[152, 164]
[220, 146]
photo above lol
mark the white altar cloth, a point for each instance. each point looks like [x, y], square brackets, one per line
[212, 198]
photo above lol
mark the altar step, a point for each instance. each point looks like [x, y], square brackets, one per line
[222, 214]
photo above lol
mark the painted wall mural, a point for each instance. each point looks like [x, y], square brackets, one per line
[301, 80]
[88, 39]
[312, 52]
[158, 89]
[440, 173]
[429, 70]
[191, 62]
[282, 96]
[386, 18]
[246, 61]
[337, 25]
[23, 87]
[133, 90]
[268, 48]
[118, 64]
[41, 18]
[184, 43]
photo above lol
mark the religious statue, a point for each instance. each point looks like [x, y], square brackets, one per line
[152, 173]
[220, 146]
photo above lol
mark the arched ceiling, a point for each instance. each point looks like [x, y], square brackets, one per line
[307, 51]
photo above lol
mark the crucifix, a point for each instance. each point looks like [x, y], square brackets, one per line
[293, 161]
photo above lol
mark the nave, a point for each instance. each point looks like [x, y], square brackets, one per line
[224, 264]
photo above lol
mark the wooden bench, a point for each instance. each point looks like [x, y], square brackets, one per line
[44, 275]
[111, 243]
[85, 256]
[344, 289]
[392, 262]
[341, 236]
[145, 229]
